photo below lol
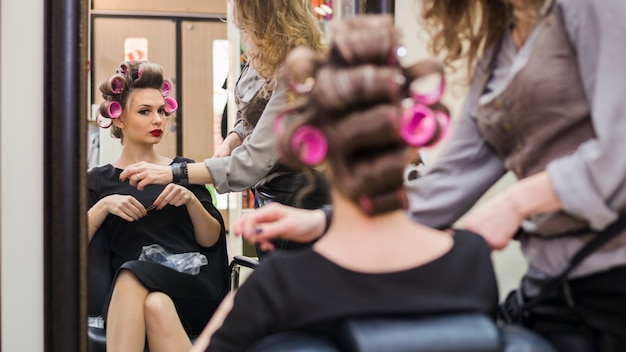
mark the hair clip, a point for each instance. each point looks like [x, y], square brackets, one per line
[166, 88]
[114, 109]
[103, 123]
[171, 105]
[310, 144]
[116, 84]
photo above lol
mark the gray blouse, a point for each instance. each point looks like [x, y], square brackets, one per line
[254, 160]
[589, 182]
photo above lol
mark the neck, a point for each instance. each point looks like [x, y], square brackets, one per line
[132, 154]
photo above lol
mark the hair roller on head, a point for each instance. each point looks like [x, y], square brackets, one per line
[310, 144]
[421, 70]
[418, 125]
[301, 64]
[116, 84]
[166, 88]
[112, 109]
[366, 204]
[171, 105]
[123, 68]
[103, 121]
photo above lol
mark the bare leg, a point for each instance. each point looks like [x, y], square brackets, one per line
[163, 326]
[126, 329]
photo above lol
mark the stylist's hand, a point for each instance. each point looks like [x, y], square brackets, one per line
[231, 142]
[175, 195]
[497, 220]
[125, 206]
[142, 174]
[275, 221]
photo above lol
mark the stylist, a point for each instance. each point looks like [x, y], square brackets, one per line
[248, 157]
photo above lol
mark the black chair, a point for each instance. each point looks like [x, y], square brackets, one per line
[448, 333]
[100, 278]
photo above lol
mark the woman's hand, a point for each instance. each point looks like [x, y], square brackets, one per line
[142, 174]
[231, 142]
[175, 195]
[500, 217]
[125, 206]
[497, 221]
[275, 221]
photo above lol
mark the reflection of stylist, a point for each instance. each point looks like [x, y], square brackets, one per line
[248, 156]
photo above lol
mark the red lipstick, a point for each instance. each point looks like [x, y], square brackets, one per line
[156, 133]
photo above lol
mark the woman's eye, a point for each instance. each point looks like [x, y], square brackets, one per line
[161, 111]
[144, 112]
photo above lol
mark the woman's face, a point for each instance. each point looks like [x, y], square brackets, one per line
[143, 120]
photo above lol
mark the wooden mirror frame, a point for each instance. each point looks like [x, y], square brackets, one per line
[65, 175]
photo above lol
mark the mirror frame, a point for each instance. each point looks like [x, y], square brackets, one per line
[65, 175]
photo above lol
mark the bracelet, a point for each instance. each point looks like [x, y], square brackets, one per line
[328, 212]
[180, 173]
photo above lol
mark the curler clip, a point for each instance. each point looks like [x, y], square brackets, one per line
[171, 105]
[310, 144]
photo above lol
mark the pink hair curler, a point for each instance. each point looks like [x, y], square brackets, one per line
[124, 68]
[418, 125]
[103, 121]
[366, 204]
[138, 72]
[302, 88]
[310, 143]
[166, 88]
[116, 84]
[171, 105]
[432, 97]
[114, 109]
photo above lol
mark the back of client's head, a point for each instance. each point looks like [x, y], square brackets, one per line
[353, 113]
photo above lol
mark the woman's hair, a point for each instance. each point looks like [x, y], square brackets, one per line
[351, 102]
[130, 75]
[462, 29]
[274, 27]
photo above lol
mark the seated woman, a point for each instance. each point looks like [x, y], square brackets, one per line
[149, 301]
[374, 260]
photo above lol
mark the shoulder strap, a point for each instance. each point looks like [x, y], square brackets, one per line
[598, 241]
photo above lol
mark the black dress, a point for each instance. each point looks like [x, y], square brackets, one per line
[196, 296]
[302, 290]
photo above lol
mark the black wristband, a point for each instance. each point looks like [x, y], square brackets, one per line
[328, 212]
[180, 174]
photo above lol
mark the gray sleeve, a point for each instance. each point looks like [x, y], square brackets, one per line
[590, 182]
[464, 169]
[238, 126]
[256, 156]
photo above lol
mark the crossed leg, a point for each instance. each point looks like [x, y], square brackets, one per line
[135, 313]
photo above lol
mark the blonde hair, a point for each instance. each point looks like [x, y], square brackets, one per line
[274, 27]
[462, 29]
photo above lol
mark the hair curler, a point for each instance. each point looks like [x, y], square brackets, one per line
[103, 121]
[432, 97]
[114, 109]
[171, 105]
[116, 84]
[166, 88]
[309, 142]
[418, 125]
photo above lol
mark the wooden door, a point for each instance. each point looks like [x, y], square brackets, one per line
[200, 81]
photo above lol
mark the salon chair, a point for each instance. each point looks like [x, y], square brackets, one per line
[446, 333]
[100, 279]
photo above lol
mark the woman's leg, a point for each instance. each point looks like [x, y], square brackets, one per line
[125, 329]
[163, 326]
